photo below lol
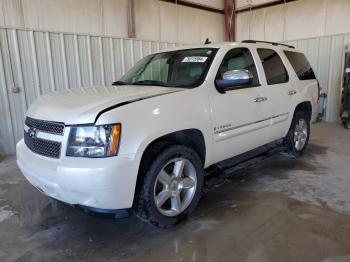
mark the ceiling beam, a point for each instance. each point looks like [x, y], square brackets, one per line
[195, 5]
[256, 7]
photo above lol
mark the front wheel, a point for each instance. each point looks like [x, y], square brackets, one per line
[298, 135]
[171, 187]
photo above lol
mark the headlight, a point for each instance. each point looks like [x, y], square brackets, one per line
[94, 141]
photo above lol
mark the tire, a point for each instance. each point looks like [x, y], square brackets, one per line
[347, 124]
[298, 136]
[163, 184]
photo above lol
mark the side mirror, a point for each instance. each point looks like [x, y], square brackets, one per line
[233, 79]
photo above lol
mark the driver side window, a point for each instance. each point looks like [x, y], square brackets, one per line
[239, 59]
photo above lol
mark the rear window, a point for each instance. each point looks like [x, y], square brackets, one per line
[275, 71]
[300, 65]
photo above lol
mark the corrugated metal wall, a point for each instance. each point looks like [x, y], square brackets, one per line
[36, 62]
[326, 55]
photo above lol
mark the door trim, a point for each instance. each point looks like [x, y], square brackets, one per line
[227, 131]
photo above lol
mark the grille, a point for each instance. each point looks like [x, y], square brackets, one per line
[43, 147]
[46, 126]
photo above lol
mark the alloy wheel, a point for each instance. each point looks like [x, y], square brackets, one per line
[300, 134]
[175, 187]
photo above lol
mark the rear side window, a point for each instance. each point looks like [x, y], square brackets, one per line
[300, 65]
[275, 71]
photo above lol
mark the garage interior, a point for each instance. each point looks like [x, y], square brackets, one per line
[268, 208]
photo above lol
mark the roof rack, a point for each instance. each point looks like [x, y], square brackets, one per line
[266, 42]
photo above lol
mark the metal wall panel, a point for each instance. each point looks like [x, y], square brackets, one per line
[7, 139]
[326, 55]
[37, 62]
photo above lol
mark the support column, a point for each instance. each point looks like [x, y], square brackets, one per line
[131, 19]
[230, 20]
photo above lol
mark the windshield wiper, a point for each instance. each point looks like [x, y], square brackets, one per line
[118, 83]
[150, 82]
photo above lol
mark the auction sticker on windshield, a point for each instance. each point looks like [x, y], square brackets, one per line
[194, 59]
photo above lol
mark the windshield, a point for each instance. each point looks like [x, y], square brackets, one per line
[180, 68]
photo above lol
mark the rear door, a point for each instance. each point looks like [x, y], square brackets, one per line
[279, 87]
[305, 86]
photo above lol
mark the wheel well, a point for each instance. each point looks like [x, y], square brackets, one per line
[305, 107]
[189, 137]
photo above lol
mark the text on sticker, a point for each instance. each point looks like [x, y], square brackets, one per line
[194, 59]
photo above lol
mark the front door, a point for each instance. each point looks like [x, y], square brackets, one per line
[240, 116]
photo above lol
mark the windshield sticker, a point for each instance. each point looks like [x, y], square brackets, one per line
[194, 59]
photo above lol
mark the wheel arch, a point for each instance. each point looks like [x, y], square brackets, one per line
[305, 106]
[191, 137]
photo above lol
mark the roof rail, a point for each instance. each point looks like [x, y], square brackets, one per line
[266, 42]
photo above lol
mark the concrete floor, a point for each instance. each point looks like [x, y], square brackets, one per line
[271, 208]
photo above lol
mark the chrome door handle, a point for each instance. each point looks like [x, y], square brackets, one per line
[260, 99]
[292, 92]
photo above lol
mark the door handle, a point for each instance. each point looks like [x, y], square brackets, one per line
[292, 92]
[260, 99]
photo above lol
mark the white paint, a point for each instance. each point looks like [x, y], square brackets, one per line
[96, 183]
[81, 105]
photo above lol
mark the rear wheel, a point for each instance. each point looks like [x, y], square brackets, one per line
[347, 124]
[171, 187]
[298, 135]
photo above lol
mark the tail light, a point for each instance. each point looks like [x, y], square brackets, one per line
[318, 91]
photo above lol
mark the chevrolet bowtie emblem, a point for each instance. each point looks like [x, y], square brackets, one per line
[32, 132]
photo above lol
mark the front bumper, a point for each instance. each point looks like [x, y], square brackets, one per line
[103, 183]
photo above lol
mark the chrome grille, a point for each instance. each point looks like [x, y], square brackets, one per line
[45, 126]
[43, 147]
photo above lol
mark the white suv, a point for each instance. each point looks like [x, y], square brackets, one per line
[143, 142]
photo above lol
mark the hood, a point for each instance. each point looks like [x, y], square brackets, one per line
[82, 105]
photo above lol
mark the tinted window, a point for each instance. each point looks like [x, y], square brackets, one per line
[300, 65]
[275, 71]
[238, 59]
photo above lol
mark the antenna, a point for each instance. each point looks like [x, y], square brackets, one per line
[207, 41]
